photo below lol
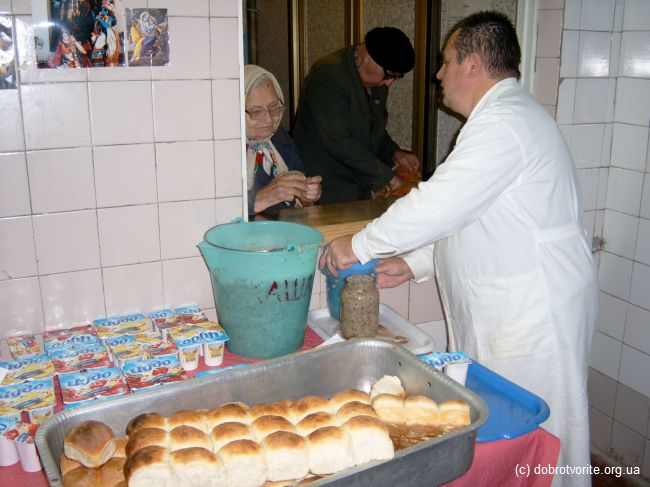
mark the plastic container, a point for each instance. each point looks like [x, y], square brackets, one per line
[335, 284]
[359, 307]
[189, 357]
[262, 276]
[29, 460]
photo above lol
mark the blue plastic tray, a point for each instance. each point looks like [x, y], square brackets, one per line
[514, 411]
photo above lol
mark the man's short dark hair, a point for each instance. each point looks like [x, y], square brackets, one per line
[492, 36]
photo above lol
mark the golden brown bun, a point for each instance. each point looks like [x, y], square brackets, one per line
[112, 472]
[66, 464]
[279, 408]
[287, 456]
[188, 437]
[91, 443]
[354, 408]
[196, 467]
[389, 408]
[420, 411]
[225, 414]
[225, 433]
[349, 395]
[265, 425]
[148, 467]
[308, 405]
[330, 451]
[195, 419]
[314, 421]
[369, 438]
[146, 420]
[146, 437]
[120, 447]
[454, 413]
[82, 477]
[388, 384]
[245, 463]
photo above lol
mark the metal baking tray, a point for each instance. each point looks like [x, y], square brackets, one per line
[320, 371]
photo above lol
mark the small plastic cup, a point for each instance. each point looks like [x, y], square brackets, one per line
[213, 353]
[29, 460]
[189, 357]
[457, 371]
[8, 452]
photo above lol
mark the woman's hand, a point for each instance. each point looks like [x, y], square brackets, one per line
[392, 272]
[313, 191]
[284, 187]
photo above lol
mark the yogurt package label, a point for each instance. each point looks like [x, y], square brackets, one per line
[198, 334]
[27, 367]
[28, 394]
[98, 382]
[57, 339]
[440, 359]
[77, 358]
[191, 314]
[22, 345]
[151, 371]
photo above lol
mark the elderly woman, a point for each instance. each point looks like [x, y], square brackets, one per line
[275, 173]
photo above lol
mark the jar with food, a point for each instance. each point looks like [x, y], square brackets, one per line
[359, 307]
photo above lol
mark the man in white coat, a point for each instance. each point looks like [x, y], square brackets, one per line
[501, 221]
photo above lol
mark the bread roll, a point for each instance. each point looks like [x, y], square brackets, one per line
[265, 425]
[149, 467]
[346, 396]
[369, 438]
[354, 408]
[225, 433]
[188, 437]
[314, 421]
[275, 409]
[120, 447]
[389, 408]
[245, 463]
[330, 451]
[388, 384]
[308, 405]
[112, 472]
[81, 477]
[66, 464]
[146, 420]
[91, 443]
[196, 467]
[454, 413]
[287, 456]
[195, 419]
[225, 414]
[146, 437]
[420, 411]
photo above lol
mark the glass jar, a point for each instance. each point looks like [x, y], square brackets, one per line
[359, 307]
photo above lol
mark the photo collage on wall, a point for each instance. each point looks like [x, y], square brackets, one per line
[98, 33]
[7, 64]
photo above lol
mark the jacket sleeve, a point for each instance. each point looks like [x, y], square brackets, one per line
[330, 98]
[387, 149]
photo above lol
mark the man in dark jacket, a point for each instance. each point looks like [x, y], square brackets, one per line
[340, 129]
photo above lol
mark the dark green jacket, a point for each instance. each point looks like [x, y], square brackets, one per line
[340, 131]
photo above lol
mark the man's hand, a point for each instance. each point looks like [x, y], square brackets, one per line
[285, 187]
[392, 272]
[338, 254]
[408, 160]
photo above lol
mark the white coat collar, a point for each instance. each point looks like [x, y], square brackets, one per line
[497, 88]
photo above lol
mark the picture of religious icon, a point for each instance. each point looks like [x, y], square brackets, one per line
[148, 37]
[7, 61]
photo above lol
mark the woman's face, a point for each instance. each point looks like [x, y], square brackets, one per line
[262, 97]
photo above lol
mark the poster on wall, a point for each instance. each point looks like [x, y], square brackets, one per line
[147, 37]
[7, 64]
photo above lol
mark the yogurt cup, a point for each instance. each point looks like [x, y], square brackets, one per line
[38, 415]
[213, 353]
[189, 357]
[8, 452]
[29, 460]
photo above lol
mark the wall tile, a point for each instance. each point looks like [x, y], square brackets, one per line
[637, 328]
[632, 409]
[627, 446]
[605, 355]
[182, 225]
[424, 302]
[187, 281]
[22, 6]
[125, 174]
[549, 33]
[586, 145]
[229, 208]
[600, 429]
[633, 362]
[5, 6]
[224, 50]
[129, 235]
[629, 146]
[133, 288]
[633, 101]
[61, 180]
[594, 54]
[185, 170]
[597, 15]
[615, 55]
[566, 101]
[624, 191]
[226, 109]
[11, 122]
[607, 145]
[66, 242]
[396, 298]
[227, 8]
[114, 121]
[637, 15]
[645, 200]
[190, 50]
[196, 8]
[72, 298]
[20, 301]
[17, 252]
[572, 14]
[642, 252]
[611, 316]
[620, 233]
[228, 167]
[14, 187]
[603, 177]
[569, 54]
[133, 73]
[546, 80]
[588, 90]
[56, 115]
[635, 54]
[640, 287]
[181, 111]
[615, 275]
[602, 392]
[588, 182]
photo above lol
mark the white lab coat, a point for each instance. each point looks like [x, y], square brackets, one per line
[516, 274]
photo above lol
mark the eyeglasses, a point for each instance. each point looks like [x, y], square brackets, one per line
[259, 113]
[388, 75]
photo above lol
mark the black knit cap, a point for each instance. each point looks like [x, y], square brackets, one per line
[391, 49]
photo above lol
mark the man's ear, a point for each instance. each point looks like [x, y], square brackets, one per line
[474, 65]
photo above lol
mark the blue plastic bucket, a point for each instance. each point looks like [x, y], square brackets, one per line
[262, 277]
[335, 284]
